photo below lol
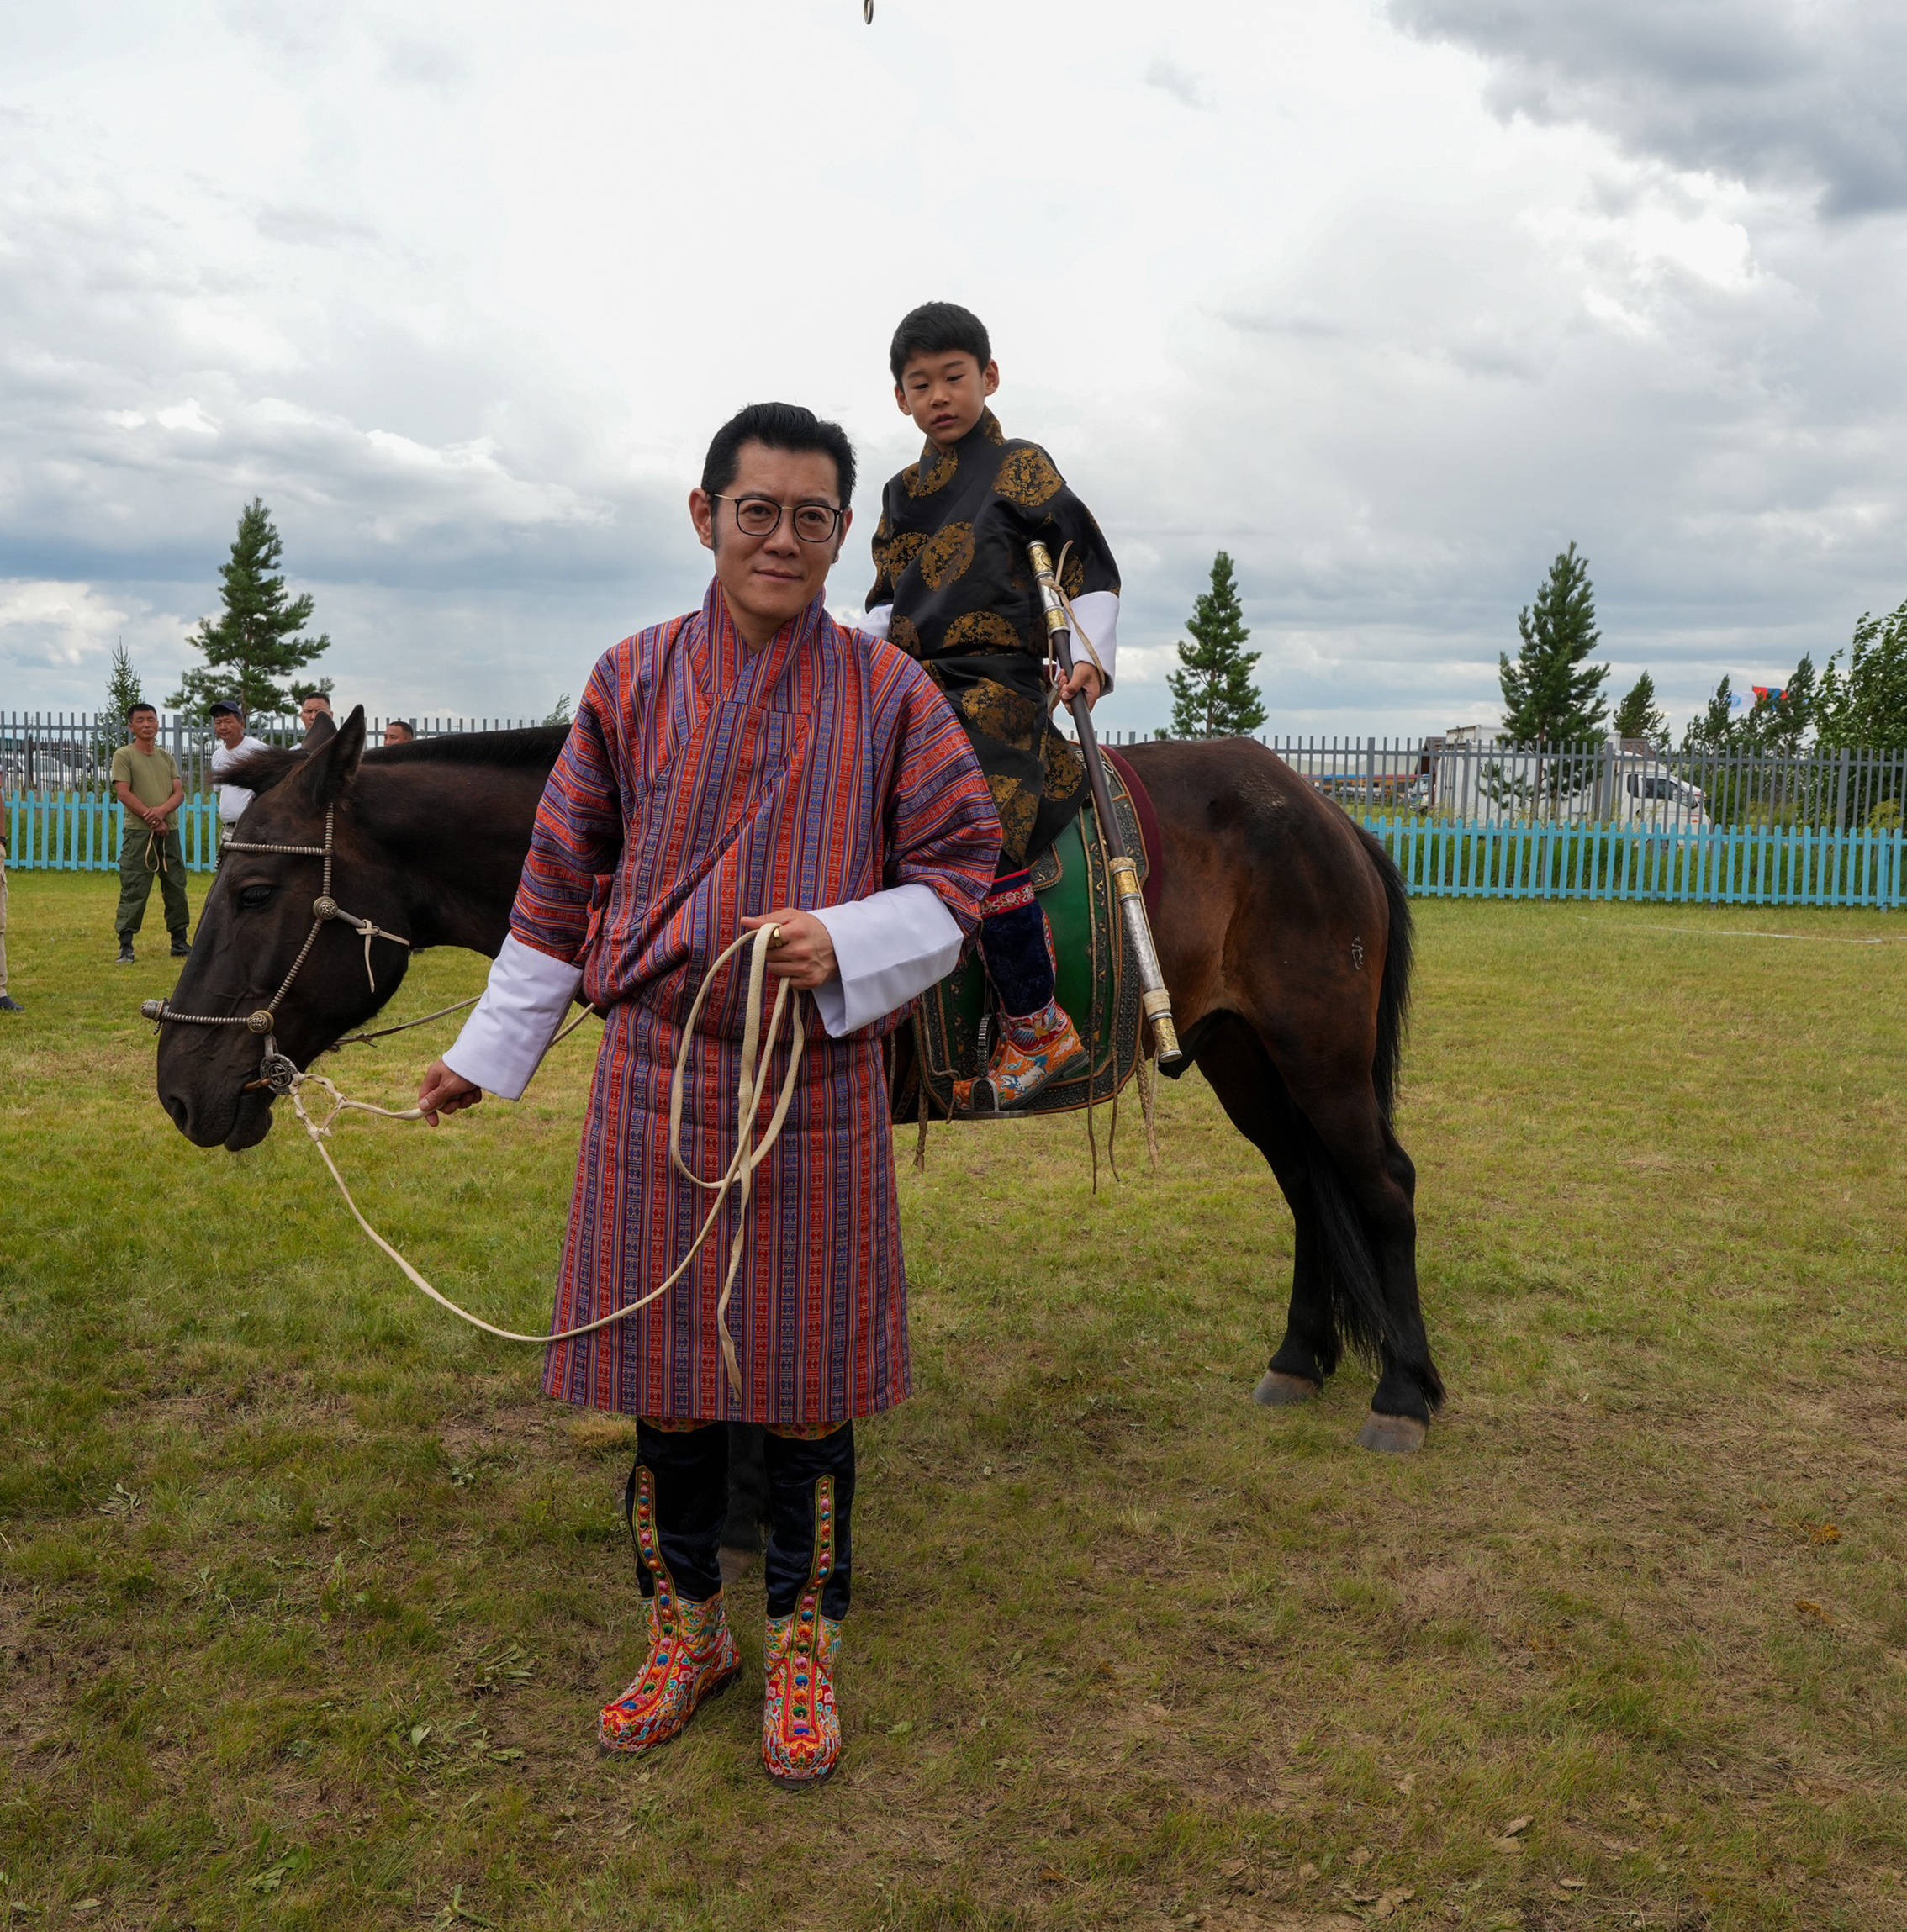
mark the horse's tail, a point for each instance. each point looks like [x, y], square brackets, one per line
[1349, 1267]
[1393, 992]
[1358, 1309]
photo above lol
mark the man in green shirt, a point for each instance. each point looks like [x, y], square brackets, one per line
[146, 782]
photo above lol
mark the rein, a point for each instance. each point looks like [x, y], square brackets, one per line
[737, 1177]
[278, 1073]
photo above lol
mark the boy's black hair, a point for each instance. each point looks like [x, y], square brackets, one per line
[141, 706]
[938, 329]
[781, 426]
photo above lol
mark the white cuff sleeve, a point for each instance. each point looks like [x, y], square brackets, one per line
[874, 622]
[506, 1038]
[1098, 612]
[888, 947]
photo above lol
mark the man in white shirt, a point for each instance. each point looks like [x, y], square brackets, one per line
[234, 743]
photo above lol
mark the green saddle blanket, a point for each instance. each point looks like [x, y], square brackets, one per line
[957, 1022]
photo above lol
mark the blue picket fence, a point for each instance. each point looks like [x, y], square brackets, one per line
[1726, 865]
[1720, 865]
[79, 831]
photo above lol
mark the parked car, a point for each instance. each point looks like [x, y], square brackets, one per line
[1653, 795]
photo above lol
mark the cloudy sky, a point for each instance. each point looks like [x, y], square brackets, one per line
[1390, 298]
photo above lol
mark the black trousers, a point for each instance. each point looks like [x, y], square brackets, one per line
[1014, 947]
[688, 1474]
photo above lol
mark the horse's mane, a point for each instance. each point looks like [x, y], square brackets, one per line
[530, 749]
[535, 745]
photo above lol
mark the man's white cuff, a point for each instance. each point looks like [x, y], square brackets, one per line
[506, 1038]
[888, 947]
[875, 622]
[1098, 612]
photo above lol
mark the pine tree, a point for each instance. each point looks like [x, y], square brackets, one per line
[255, 640]
[1779, 721]
[1637, 716]
[1867, 704]
[1776, 723]
[122, 693]
[1213, 695]
[1714, 728]
[1551, 695]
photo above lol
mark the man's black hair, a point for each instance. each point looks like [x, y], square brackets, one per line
[780, 426]
[141, 706]
[938, 329]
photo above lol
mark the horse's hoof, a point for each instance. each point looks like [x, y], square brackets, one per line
[1394, 1435]
[1277, 1390]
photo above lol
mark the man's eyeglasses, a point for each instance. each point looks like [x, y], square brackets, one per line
[761, 516]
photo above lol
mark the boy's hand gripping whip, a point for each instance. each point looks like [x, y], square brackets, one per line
[1154, 1001]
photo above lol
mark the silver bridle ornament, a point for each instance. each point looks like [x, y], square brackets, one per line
[276, 1071]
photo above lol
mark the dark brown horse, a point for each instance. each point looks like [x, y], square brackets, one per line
[1283, 931]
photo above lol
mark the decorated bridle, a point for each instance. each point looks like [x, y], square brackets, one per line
[276, 1071]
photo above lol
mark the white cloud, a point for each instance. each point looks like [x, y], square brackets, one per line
[487, 279]
[1770, 92]
[186, 416]
[1184, 85]
[59, 627]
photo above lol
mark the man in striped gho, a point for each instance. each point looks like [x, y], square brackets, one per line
[751, 762]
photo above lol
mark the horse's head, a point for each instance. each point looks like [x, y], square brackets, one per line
[257, 915]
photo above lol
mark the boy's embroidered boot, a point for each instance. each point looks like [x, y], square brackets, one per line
[691, 1651]
[1041, 1048]
[806, 1573]
[1038, 1041]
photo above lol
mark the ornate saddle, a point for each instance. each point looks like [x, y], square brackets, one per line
[956, 1022]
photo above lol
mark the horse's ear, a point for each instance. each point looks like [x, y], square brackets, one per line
[320, 730]
[328, 767]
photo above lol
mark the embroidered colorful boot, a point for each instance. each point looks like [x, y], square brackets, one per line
[692, 1654]
[800, 1727]
[1041, 1048]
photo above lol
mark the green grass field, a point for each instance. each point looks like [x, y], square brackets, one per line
[308, 1599]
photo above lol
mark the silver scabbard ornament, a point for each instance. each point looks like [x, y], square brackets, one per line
[1154, 1001]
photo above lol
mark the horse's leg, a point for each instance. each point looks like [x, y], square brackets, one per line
[1253, 1095]
[1373, 1248]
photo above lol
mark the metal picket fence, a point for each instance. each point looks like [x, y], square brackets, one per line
[72, 751]
[1463, 817]
[1468, 778]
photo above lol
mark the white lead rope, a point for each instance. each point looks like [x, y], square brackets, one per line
[739, 1174]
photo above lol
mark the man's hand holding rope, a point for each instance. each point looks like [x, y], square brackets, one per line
[444, 1092]
[805, 953]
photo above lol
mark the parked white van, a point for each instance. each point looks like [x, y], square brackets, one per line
[1647, 793]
